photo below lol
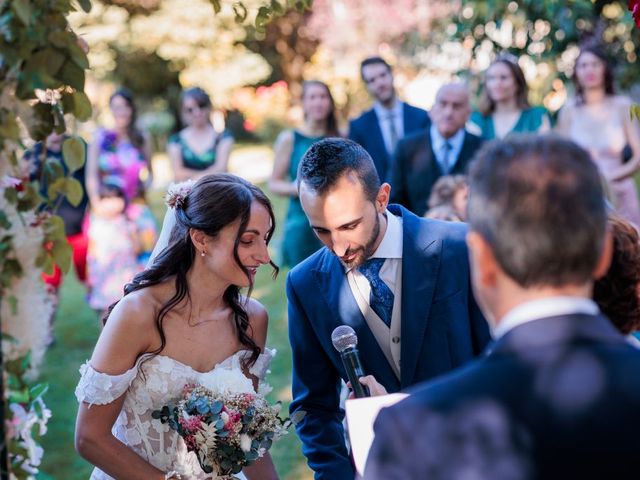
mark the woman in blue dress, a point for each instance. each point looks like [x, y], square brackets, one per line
[504, 107]
[198, 149]
[320, 121]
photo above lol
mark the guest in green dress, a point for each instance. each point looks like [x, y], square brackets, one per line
[198, 149]
[504, 107]
[299, 241]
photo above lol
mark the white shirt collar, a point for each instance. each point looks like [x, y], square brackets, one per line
[391, 244]
[438, 141]
[383, 112]
[543, 308]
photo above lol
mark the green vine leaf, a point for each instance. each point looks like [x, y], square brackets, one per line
[9, 126]
[74, 151]
[72, 75]
[62, 254]
[73, 191]
[85, 5]
[81, 106]
[48, 60]
[38, 390]
[217, 7]
[22, 8]
[240, 12]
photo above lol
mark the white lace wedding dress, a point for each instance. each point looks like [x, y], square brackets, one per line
[155, 381]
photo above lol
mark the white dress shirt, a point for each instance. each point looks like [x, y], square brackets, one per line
[384, 121]
[544, 308]
[438, 142]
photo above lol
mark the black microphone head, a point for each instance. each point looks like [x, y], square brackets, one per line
[344, 337]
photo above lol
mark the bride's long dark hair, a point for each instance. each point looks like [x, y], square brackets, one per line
[214, 202]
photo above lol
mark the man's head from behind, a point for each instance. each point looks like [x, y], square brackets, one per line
[451, 109]
[538, 221]
[341, 195]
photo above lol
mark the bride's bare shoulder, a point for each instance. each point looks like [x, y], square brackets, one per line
[142, 306]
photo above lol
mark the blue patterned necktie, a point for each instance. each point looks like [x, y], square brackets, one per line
[381, 297]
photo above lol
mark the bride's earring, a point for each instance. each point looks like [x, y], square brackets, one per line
[202, 253]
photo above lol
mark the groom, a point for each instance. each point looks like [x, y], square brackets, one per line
[401, 282]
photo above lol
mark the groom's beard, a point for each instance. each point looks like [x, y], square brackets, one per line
[362, 254]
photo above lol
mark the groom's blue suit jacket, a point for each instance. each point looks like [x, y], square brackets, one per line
[442, 328]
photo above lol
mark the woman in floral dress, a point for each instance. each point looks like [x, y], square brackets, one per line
[119, 156]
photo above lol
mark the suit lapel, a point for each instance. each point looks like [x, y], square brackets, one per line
[420, 264]
[345, 311]
[465, 154]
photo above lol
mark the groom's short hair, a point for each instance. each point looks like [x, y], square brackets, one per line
[539, 203]
[329, 159]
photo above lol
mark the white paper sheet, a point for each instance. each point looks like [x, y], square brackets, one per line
[361, 414]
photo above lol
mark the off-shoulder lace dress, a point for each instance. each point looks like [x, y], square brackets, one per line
[151, 383]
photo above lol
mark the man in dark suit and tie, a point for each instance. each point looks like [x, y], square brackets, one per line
[557, 396]
[445, 148]
[379, 129]
[400, 281]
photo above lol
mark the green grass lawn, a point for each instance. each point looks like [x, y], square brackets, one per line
[76, 331]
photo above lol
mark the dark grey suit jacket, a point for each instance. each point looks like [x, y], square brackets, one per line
[415, 169]
[555, 398]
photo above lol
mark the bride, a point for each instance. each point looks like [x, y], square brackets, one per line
[180, 321]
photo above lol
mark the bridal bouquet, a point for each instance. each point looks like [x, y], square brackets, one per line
[227, 431]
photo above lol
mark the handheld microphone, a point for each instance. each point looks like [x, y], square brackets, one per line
[345, 341]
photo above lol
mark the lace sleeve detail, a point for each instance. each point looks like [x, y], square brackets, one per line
[261, 367]
[100, 388]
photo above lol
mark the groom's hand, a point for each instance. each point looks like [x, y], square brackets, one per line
[375, 388]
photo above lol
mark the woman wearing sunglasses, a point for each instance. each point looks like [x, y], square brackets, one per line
[198, 149]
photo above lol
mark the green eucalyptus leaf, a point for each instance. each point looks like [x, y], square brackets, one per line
[73, 191]
[77, 55]
[4, 223]
[262, 18]
[9, 126]
[56, 187]
[13, 304]
[62, 253]
[59, 38]
[38, 390]
[22, 9]
[85, 5]
[55, 227]
[68, 104]
[48, 60]
[72, 75]
[19, 396]
[217, 7]
[74, 151]
[240, 12]
[41, 123]
[82, 106]
[276, 7]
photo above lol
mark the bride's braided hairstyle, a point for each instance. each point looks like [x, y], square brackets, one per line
[214, 202]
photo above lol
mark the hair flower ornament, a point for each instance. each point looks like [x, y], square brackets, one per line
[177, 193]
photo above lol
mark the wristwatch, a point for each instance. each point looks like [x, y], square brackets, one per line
[172, 475]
